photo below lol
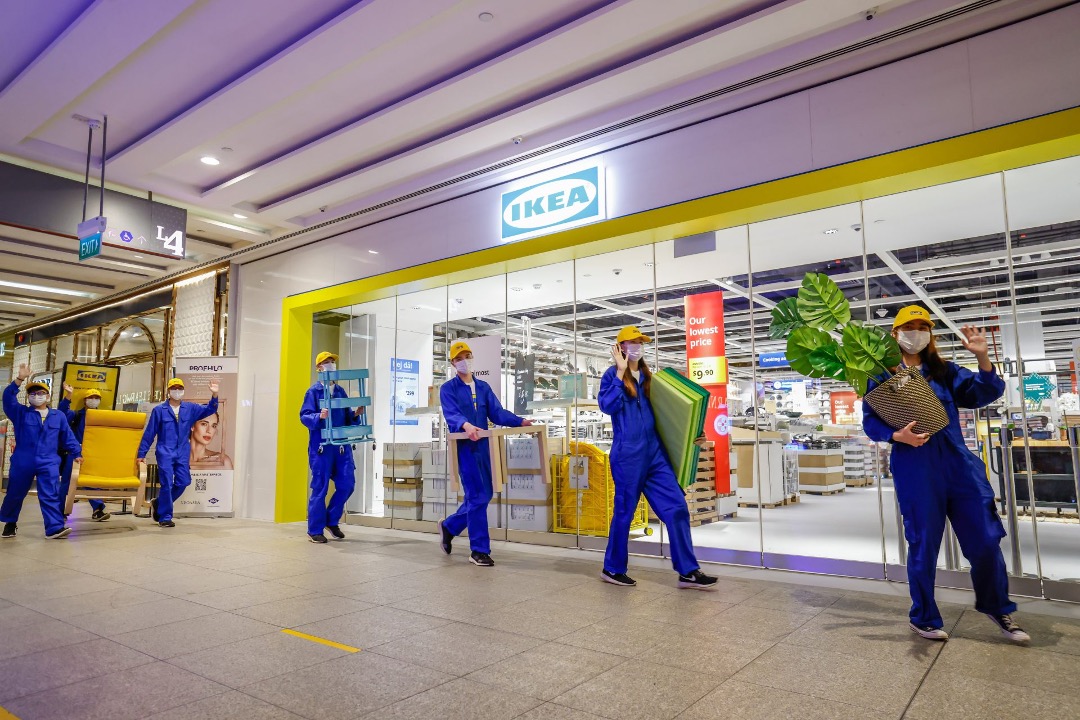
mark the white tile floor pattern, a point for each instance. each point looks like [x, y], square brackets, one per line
[126, 620]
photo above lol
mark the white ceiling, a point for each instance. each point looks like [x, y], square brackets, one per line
[316, 109]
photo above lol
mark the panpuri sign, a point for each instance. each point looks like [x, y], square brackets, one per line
[558, 203]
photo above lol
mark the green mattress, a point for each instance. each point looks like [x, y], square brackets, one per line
[679, 406]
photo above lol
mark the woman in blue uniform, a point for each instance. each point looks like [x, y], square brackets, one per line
[468, 404]
[938, 477]
[327, 462]
[639, 465]
[40, 434]
[77, 421]
[170, 422]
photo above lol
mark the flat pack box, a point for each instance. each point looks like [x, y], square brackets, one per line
[526, 486]
[434, 511]
[821, 458]
[436, 489]
[400, 493]
[821, 476]
[404, 469]
[518, 515]
[402, 510]
[433, 461]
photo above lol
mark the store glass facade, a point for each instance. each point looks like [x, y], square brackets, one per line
[795, 483]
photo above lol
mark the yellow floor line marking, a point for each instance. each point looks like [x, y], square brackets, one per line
[312, 638]
[5, 715]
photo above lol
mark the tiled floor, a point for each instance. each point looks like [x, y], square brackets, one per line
[125, 620]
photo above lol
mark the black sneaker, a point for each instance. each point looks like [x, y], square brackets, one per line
[697, 580]
[1009, 628]
[445, 538]
[61, 533]
[318, 538]
[336, 532]
[10, 530]
[481, 560]
[617, 579]
[929, 632]
[153, 510]
[166, 523]
[100, 516]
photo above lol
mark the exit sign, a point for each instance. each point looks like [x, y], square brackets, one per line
[89, 247]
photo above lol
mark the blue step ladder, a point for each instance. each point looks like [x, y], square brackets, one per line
[345, 434]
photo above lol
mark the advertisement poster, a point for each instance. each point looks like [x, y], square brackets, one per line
[524, 382]
[842, 405]
[706, 363]
[406, 395]
[487, 362]
[213, 439]
[85, 376]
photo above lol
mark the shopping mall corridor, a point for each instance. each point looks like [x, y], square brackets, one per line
[240, 619]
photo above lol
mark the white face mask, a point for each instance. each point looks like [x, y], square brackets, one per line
[464, 366]
[176, 394]
[92, 403]
[38, 399]
[634, 351]
[913, 342]
[328, 367]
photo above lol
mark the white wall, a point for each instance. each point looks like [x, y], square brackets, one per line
[1004, 76]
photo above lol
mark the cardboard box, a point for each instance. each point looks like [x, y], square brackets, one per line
[821, 458]
[402, 494]
[523, 453]
[434, 462]
[522, 516]
[436, 489]
[820, 476]
[400, 510]
[526, 486]
[405, 469]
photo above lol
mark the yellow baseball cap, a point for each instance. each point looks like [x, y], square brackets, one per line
[909, 313]
[94, 392]
[37, 386]
[175, 382]
[459, 347]
[324, 356]
[631, 332]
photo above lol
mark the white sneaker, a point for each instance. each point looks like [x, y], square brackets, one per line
[930, 633]
[1009, 628]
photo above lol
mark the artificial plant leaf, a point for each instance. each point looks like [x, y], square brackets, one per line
[801, 343]
[867, 349]
[785, 318]
[893, 356]
[826, 360]
[857, 379]
[822, 303]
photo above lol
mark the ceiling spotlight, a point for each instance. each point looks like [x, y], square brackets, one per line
[1025, 258]
[881, 312]
[486, 17]
[238, 216]
[373, 252]
[226, 149]
[832, 231]
[1044, 256]
[137, 257]
[209, 160]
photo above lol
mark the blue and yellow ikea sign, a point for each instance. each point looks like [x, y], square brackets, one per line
[559, 203]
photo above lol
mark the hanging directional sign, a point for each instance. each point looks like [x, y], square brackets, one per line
[1038, 388]
[89, 232]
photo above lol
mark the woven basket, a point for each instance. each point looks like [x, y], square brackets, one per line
[905, 397]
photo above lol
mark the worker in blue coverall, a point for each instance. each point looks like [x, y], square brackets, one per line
[639, 464]
[938, 477]
[40, 433]
[77, 421]
[327, 462]
[468, 403]
[170, 422]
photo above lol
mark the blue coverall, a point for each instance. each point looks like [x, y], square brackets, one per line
[639, 465]
[173, 449]
[474, 462]
[330, 462]
[943, 478]
[77, 421]
[37, 444]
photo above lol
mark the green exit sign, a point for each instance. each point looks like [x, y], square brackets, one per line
[89, 246]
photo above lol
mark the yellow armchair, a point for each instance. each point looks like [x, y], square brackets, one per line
[110, 466]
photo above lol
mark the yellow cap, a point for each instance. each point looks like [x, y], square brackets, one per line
[324, 356]
[37, 386]
[94, 392]
[631, 332]
[909, 313]
[459, 347]
[175, 382]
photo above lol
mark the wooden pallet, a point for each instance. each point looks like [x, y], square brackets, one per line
[701, 501]
[824, 492]
[858, 482]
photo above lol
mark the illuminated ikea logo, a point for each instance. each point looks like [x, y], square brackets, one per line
[560, 203]
[94, 376]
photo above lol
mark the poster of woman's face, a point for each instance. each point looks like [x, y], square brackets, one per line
[207, 439]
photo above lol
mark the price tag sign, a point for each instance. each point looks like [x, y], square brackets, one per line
[709, 370]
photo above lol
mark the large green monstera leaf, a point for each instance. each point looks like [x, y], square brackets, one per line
[785, 318]
[822, 303]
[801, 344]
[869, 350]
[829, 361]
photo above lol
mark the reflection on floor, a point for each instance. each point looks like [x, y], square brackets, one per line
[126, 620]
[847, 526]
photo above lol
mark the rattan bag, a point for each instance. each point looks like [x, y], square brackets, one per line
[907, 397]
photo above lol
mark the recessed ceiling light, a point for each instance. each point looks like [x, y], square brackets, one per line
[209, 160]
[486, 17]
[137, 257]
[238, 216]
[831, 231]
[373, 252]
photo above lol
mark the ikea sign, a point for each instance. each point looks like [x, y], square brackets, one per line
[560, 203]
